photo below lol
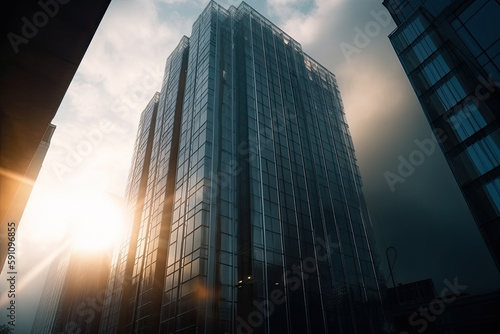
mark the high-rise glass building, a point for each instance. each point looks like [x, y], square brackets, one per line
[450, 51]
[246, 210]
[73, 294]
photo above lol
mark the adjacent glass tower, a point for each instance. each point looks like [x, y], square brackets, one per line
[450, 51]
[246, 210]
[73, 294]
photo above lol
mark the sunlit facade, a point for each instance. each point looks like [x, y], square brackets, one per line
[450, 51]
[246, 210]
[119, 308]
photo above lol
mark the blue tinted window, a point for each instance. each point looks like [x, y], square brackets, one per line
[472, 9]
[485, 24]
[450, 92]
[493, 191]
[435, 7]
[409, 33]
[420, 51]
[467, 121]
[469, 41]
[493, 67]
[424, 48]
[484, 154]
[435, 69]
[494, 49]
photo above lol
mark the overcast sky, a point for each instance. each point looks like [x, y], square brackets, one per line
[425, 218]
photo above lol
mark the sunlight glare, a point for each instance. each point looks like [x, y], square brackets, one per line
[96, 223]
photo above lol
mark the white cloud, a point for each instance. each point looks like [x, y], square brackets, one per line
[368, 98]
[119, 74]
[302, 24]
[132, 40]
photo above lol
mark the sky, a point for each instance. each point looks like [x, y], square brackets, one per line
[83, 178]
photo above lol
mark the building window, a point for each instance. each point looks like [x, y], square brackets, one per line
[485, 153]
[466, 121]
[493, 192]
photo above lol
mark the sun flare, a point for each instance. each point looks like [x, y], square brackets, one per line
[91, 220]
[96, 222]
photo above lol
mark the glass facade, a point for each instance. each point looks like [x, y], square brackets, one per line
[46, 313]
[118, 309]
[245, 197]
[450, 51]
[72, 298]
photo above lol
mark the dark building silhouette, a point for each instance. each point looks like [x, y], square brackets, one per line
[246, 210]
[42, 45]
[418, 308]
[450, 51]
